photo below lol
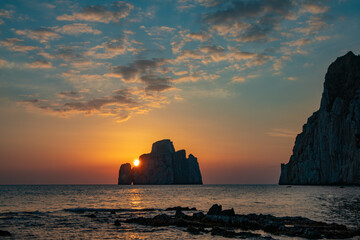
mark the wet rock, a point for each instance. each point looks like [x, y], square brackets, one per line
[181, 208]
[228, 225]
[4, 233]
[193, 230]
[179, 214]
[198, 215]
[117, 223]
[215, 210]
[228, 212]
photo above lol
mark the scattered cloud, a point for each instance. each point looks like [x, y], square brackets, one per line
[224, 40]
[208, 3]
[70, 95]
[116, 12]
[146, 71]
[42, 34]
[243, 78]
[12, 44]
[40, 64]
[313, 7]
[250, 21]
[111, 49]
[200, 36]
[6, 64]
[4, 14]
[160, 30]
[314, 25]
[77, 28]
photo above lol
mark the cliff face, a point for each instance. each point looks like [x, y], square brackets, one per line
[163, 165]
[328, 149]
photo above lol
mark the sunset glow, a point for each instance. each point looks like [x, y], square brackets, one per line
[136, 162]
[87, 86]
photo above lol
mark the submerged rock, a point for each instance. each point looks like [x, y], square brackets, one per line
[163, 165]
[328, 149]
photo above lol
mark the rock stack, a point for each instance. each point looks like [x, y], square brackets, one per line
[163, 165]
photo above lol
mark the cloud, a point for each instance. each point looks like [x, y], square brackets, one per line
[69, 53]
[121, 104]
[111, 49]
[280, 132]
[313, 7]
[42, 34]
[4, 14]
[160, 30]
[70, 95]
[40, 64]
[6, 64]
[243, 79]
[208, 3]
[238, 79]
[116, 12]
[138, 67]
[77, 28]
[156, 83]
[146, 71]
[46, 55]
[12, 44]
[200, 36]
[212, 53]
[250, 21]
[314, 25]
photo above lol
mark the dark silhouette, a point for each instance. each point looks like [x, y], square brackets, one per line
[162, 166]
[328, 149]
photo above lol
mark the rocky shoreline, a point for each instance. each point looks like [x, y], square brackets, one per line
[214, 222]
[228, 224]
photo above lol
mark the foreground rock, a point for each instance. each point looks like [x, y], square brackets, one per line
[4, 233]
[224, 223]
[328, 149]
[163, 165]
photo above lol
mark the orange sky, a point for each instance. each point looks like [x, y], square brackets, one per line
[85, 88]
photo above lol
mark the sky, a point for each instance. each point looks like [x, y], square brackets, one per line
[88, 85]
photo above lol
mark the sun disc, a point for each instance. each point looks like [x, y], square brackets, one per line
[136, 162]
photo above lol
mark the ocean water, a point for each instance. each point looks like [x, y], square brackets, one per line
[62, 211]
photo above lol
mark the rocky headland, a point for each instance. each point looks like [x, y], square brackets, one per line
[327, 152]
[163, 165]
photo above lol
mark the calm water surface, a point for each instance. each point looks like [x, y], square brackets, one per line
[61, 211]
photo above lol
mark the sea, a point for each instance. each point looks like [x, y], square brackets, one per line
[84, 211]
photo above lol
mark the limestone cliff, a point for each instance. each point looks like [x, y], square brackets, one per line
[328, 149]
[163, 165]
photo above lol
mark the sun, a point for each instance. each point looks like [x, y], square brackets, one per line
[136, 162]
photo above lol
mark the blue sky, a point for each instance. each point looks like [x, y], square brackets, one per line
[254, 66]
